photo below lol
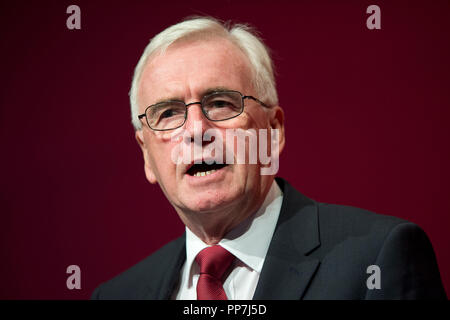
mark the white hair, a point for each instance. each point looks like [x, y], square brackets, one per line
[243, 36]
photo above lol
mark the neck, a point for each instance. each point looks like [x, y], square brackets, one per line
[212, 226]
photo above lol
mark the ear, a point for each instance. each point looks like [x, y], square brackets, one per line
[149, 173]
[277, 122]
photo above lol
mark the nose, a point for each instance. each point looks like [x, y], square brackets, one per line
[195, 115]
[196, 122]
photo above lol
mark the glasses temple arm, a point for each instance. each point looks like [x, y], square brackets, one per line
[257, 100]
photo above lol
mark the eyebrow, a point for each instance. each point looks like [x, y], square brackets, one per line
[216, 89]
[204, 93]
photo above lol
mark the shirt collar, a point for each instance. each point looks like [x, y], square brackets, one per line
[250, 240]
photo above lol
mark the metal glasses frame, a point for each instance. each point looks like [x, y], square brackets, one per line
[243, 97]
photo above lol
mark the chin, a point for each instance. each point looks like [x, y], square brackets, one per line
[211, 202]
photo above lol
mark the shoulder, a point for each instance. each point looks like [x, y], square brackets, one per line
[347, 240]
[335, 220]
[137, 281]
[365, 232]
[340, 227]
[343, 219]
[362, 231]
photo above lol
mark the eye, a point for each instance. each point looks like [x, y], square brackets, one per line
[221, 104]
[167, 113]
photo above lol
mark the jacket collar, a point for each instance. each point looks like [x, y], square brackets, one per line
[162, 288]
[288, 269]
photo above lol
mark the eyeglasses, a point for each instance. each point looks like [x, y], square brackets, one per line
[216, 106]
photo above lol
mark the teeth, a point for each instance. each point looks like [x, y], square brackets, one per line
[204, 173]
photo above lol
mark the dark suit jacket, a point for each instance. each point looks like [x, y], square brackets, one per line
[318, 251]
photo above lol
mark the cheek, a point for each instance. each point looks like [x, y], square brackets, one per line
[160, 158]
[261, 119]
[254, 117]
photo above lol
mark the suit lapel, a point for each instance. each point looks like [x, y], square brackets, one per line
[169, 275]
[288, 270]
[284, 280]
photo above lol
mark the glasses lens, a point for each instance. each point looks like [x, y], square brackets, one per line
[222, 105]
[166, 115]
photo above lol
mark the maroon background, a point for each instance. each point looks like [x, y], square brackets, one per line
[367, 122]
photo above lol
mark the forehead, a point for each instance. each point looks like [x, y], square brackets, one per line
[189, 68]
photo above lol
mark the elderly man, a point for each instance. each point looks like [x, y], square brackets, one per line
[248, 235]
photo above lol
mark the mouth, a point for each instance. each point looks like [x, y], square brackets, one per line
[204, 169]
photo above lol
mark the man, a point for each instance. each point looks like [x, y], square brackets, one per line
[248, 235]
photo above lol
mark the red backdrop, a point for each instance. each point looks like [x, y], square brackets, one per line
[367, 121]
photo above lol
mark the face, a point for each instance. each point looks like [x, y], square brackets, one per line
[186, 71]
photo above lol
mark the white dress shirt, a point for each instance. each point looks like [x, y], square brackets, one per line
[248, 242]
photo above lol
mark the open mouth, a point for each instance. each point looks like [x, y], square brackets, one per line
[204, 169]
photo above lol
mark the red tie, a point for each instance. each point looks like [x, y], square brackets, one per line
[213, 262]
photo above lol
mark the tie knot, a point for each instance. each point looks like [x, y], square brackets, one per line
[214, 261]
